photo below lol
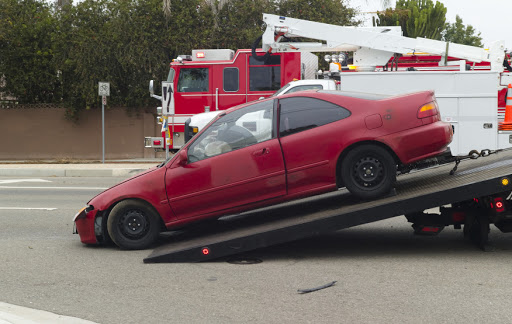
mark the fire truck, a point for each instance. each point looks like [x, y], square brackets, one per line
[217, 79]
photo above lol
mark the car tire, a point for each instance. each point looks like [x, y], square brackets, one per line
[133, 225]
[368, 171]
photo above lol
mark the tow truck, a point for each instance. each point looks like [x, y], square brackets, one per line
[470, 195]
[477, 195]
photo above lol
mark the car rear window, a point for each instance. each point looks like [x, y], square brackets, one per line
[302, 113]
[359, 95]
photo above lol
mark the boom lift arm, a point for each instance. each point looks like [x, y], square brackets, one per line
[372, 46]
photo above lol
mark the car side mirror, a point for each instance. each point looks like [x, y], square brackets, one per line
[183, 157]
[151, 88]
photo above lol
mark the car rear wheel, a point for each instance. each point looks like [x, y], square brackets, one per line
[368, 171]
[133, 225]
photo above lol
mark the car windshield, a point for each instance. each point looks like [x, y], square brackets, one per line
[236, 130]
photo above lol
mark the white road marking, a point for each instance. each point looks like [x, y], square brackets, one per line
[22, 180]
[59, 188]
[26, 208]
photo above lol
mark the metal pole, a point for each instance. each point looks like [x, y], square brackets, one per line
[103, 130]
[165, 138]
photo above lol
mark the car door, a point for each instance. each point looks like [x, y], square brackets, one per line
[236, 161]
[310, 131]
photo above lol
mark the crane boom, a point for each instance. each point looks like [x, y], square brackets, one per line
[372, 46]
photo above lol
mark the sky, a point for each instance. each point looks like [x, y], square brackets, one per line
[489, 17]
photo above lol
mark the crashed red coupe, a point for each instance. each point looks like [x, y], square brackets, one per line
[267, 152]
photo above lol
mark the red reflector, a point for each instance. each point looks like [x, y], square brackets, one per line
[500, 206]
[206, 251]
[458, 217]
[157, 142]
[430, 229]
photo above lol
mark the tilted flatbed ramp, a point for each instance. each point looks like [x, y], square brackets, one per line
[415, 192]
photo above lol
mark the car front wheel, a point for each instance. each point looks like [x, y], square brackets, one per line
[368, 171]
[133, 225]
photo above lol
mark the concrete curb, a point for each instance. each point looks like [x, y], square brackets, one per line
[12, 314]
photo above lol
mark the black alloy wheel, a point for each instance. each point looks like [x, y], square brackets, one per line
[368, 171]
[133, 225]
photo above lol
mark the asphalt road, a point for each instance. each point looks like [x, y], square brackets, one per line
[384, 274]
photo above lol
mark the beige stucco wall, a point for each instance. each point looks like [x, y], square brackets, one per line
[45, 133]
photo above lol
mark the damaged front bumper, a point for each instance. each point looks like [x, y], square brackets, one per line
[89, 225]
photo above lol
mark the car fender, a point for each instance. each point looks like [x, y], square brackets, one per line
[148, 187]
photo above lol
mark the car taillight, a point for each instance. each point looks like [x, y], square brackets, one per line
[428, 110]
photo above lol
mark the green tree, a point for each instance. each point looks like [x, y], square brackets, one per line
[26, 53]
[334, 12]
[59, 53]
[461, 34]
[418, 18]
[126, 43]
[239, 23]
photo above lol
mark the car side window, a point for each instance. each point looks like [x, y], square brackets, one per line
[244, 127]
[301, 113]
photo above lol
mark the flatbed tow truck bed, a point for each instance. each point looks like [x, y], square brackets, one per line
[415, 192]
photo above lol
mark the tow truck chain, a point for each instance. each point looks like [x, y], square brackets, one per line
[473, 155]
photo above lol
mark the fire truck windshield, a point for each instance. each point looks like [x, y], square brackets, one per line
[193, 80]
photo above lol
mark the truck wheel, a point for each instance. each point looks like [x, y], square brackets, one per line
[133, 225]
[368, 171]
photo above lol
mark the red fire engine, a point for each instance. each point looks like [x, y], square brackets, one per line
[211, 80]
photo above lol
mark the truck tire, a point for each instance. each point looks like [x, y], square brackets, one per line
[368, 171]
[133, 225]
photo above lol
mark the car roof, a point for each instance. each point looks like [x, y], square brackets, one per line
[303, 93]
[358, 95]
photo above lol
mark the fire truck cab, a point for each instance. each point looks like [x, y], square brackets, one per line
[217, 79]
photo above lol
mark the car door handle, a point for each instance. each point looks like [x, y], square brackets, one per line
[261, 152]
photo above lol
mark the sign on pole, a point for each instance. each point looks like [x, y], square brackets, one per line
[104, 88]
[167, 98]
[103, 91]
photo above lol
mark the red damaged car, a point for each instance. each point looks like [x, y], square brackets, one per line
[267, 152]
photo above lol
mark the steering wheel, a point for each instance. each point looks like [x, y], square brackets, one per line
[237, 137]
